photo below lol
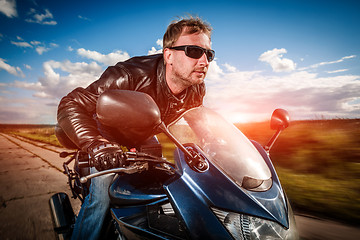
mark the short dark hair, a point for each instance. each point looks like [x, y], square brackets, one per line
[192, 25]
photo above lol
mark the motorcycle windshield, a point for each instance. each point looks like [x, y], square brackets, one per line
[225, 146]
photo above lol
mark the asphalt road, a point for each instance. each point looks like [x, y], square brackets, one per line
[31, 173]
[29, 176]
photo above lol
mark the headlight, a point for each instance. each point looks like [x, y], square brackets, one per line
[246, 227]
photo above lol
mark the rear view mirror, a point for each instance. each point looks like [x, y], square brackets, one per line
[127, 109]
[134, 115]
[279, 121]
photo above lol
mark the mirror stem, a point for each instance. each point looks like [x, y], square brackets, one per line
[272, 140]
[165, 130]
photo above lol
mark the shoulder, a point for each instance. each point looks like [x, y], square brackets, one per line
[144, 63]
[128, 74]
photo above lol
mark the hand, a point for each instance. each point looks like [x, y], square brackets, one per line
[106, 156]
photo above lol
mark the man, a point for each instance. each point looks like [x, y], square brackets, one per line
[174, 79]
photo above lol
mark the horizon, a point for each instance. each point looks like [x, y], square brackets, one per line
[235, 123]
[302, 56]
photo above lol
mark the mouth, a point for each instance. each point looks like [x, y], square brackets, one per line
[200, 74]
[200, 71]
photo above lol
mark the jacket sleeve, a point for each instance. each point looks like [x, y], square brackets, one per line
[77, 110]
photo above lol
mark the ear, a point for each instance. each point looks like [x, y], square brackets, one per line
[168, 56]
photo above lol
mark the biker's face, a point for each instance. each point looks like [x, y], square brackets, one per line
[185, 70]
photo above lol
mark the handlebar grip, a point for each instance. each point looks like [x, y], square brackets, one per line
[84, 164]
[83, 160]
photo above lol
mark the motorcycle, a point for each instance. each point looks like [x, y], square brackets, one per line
[221, 185]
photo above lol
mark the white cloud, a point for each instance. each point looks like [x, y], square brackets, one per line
[40, 47]
[252, 95]
[153, 50]
[44, 19]
[159, 42]
[108, 59]
[58, 80]
[35, 43]
[277, 62]
[330, 62]
[352, 105]
[27, 66]
[214, 72]
[21, 44]
[337, 71]
[29, 86]
[41, 95]
[229, 67]
[27, 110]
[84, 18]
[8, 7]
[57, 84]
[16, 71]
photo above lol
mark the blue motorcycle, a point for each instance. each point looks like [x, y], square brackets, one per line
[220, 184]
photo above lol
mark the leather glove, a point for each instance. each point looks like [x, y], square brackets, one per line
[106, 156]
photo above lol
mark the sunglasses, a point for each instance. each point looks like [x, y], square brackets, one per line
[196, 52]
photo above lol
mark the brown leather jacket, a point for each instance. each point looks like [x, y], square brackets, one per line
[76, 112]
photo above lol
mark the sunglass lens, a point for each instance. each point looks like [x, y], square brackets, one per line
[197, 52]
[194, 52]
[210, 55]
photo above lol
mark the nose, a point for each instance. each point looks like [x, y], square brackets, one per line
[203, 60]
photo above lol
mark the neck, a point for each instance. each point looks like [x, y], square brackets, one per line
[174, 88]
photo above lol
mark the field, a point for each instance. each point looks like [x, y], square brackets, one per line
[318, 162]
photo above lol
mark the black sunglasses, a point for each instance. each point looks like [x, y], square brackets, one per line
[196, 52]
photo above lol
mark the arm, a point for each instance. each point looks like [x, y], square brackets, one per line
[76, 111]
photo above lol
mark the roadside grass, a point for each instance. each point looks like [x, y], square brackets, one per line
[38, 133]
[314, 194]
[318, 162]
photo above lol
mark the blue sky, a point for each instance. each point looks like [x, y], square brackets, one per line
[299, 55]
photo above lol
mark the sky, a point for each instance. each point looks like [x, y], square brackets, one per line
[299, 55]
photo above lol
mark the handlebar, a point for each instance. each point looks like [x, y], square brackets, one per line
[128, 170]
[137, 162]
[144, 157]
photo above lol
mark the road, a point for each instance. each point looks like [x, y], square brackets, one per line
[30, 173]
[29, 176]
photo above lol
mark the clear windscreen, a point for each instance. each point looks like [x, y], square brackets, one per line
[224, 145]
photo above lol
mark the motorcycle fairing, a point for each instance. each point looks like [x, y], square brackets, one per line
[194, 193]
[279, 202]
[133, 223]
[138, 188]
[148, 222]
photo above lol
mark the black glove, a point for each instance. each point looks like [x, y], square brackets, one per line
[106, 156]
